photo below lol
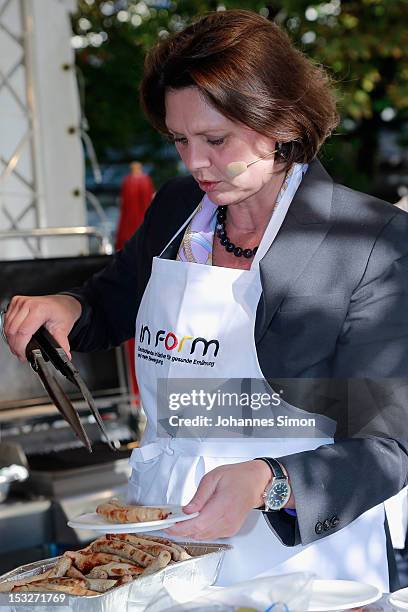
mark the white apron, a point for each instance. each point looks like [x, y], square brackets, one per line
[197, 300]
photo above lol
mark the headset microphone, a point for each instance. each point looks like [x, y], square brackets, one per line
[236, 168]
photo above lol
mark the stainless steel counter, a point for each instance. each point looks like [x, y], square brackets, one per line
[25, 524]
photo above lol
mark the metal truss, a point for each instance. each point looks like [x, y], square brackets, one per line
[19, 205]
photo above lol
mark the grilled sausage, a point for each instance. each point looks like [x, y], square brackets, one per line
[115, 570]
[115, 513]
[183, 553]
[86, 561]
[71, 589]
[124, 550]
[161, 561]
[61, 567]
[64, 580]
[95, 584]
[6, 587]
[150, 546]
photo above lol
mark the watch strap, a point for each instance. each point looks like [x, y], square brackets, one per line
[275, 466]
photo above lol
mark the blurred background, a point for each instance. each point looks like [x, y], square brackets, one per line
[363, 44]
[71, 123]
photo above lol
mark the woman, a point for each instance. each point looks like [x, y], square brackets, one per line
[288, 275]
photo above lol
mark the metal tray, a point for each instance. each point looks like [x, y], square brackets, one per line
[198, 572]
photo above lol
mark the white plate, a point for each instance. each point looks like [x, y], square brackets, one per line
[95, 522]
[399, 599]
[341, 595]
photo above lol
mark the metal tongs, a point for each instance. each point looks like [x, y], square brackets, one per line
[42, 351]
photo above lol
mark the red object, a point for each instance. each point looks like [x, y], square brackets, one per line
[136, 194]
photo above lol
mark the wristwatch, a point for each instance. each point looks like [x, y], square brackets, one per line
[277, 493]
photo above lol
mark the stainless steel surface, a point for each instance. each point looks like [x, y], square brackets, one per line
[59, 489]
[195, 574]
[79, 480]
[63, 480]
[76, 488]
[25, 524]
[106, 246]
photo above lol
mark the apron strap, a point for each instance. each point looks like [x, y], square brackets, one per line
[181, 228]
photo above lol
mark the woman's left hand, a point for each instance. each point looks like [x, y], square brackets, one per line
[224, 498]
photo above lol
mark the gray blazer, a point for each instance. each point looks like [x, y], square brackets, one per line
[333, 312]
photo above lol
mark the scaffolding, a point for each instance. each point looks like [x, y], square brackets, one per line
[41, 159]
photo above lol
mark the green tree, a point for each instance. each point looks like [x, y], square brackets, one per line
[362, 43]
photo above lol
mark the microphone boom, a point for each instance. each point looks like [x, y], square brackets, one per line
[236, 168]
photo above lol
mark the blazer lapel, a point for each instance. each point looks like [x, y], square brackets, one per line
[302, 232]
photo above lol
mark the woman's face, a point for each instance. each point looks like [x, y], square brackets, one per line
[207, 142]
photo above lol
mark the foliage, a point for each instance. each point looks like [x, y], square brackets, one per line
[362, 43]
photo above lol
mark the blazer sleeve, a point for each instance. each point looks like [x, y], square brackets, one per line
[110, 299]
[335, 484]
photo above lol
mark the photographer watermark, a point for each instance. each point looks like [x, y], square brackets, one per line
[218, 408]
[208, 400]
[219, 399]
[284, 407]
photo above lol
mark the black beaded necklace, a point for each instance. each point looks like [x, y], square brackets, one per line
[225, 241]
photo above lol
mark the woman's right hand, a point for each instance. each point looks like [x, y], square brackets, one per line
[26, 314]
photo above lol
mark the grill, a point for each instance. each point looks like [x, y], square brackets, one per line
[64, 479]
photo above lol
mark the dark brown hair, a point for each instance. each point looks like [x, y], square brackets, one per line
[248, 69]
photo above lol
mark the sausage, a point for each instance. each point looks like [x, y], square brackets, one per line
[86, 561]
[99, 573]
[115, 570]
[6, 587]
[95, 584]
[124, 580]
[61, 567]
[73, 572]
[46, 586]
[183, 553]
[115, 513]
[150, 546]
[161, 561]
[65, 581]
[124, 550]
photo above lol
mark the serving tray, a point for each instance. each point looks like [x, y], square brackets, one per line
[192, 574]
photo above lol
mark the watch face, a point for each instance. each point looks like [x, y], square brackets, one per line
[278, 494]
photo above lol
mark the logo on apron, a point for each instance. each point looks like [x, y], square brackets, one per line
[169, 341]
